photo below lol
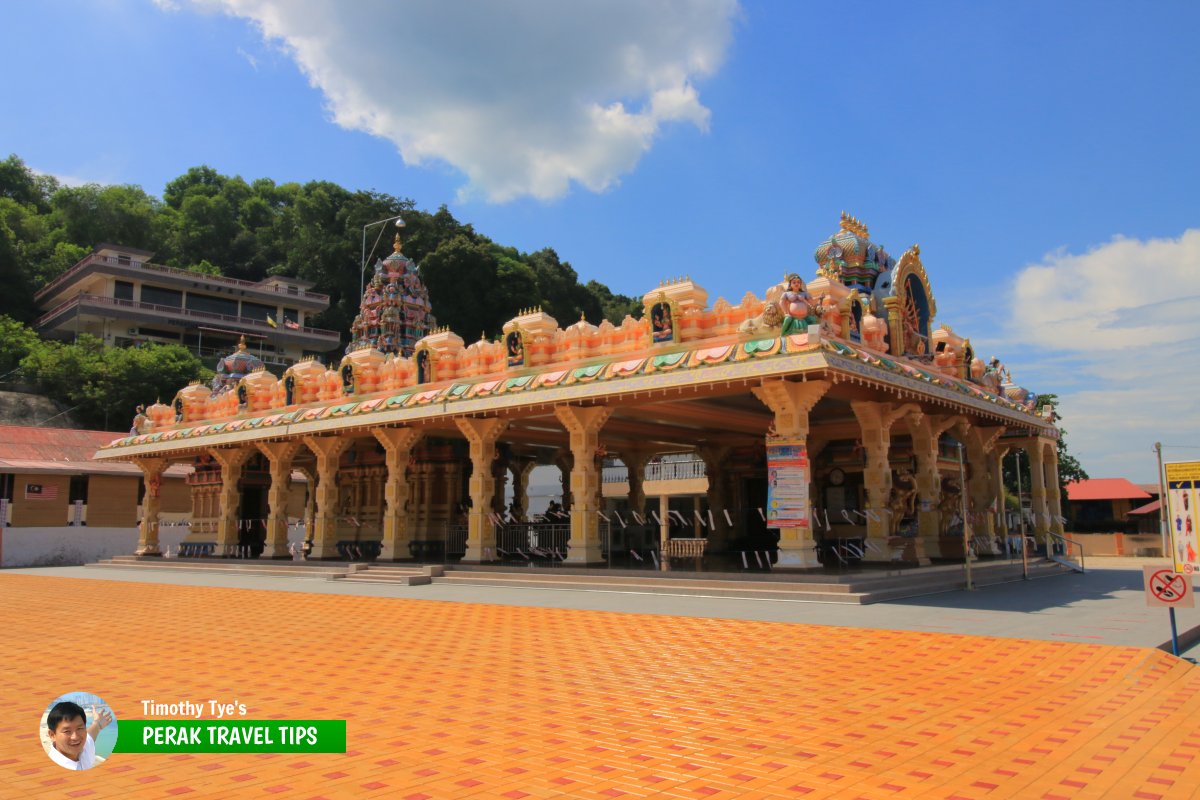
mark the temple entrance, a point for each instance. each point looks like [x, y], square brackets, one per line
[252, 522]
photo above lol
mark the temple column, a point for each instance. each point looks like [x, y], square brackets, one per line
[980, 441]
[1037, 493]
[310, 502]
[926, 430]
[500, 476]
[231, 461]
[427, 475]
[328, 450]
[635, 461]
[791, 404]
[280, 455]
[152, 470]
[875, 422]
[664, 531]
[482, 435]
[1053, 488]
[521, 470]
[398, 444]
[583, 426]
[714, 460]
[997, 477]
[564, 460]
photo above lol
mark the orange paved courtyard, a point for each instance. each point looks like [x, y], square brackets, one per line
[457, 700]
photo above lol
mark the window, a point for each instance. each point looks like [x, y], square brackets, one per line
[257, 311]
[6, 488]
[162, 297]
[79, 489]
[212, 305]
[123, 290]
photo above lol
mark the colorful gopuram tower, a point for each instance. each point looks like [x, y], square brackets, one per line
[394, 313]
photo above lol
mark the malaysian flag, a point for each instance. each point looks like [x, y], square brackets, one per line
[40, 491]
[291, 324]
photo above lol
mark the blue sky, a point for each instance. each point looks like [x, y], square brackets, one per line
[1042, 154]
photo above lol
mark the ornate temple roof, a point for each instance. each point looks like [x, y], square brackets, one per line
[235, 366]
[851, 257]
[394, 313]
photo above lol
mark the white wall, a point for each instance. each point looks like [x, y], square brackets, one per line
[65, 546]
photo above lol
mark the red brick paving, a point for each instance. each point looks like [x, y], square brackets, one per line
[456, 700]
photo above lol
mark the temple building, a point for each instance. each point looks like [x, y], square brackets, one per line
[835, 419]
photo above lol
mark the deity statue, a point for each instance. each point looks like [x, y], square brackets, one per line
[797, 306]
[141, 423]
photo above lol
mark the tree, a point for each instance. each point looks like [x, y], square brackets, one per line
[104, 386]
[16, 342]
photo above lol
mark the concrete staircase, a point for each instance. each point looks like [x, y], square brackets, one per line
[223, 566]
[859, 588]
[397, 575]
[855, 589]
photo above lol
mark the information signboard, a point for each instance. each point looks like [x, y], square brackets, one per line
[787, 483]
[1183, 486]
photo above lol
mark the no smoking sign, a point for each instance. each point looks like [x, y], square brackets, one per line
[1166, 588]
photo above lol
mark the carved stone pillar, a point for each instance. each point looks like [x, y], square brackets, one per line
[997, 477]
[791, 404]
[328, 450]
[1053, 490]
[583, 425]
[714, 468]
[152, 470]
[398, 444]
[521, 469]
[279, 455]
[980, 442]
[875, 422]
[231, 461]
[482, 435]
[925, 430]
[664, 532]
[1037, 493]
[895, 328]
[565, 463]
[310, 502]
[500, 476]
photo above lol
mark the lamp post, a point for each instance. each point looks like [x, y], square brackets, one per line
[363, 270]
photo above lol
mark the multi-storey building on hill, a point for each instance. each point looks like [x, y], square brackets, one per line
[118, 295]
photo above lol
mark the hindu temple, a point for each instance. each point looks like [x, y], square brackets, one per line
[833, 414]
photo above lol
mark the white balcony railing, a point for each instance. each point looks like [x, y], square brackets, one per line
[173, 314]
[664, 471]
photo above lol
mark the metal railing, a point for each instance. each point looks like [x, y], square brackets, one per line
[1069, 547]
[172, 314]
[130, 264]
[665, 471]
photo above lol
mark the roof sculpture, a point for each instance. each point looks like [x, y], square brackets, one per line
[394, 313]
[235, 366]
[866, 317]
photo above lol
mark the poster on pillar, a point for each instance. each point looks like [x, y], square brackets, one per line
[787, 482]
[1183, 488]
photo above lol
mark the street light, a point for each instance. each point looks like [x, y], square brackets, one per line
[363, 271]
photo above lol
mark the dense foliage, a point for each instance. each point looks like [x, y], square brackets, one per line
[223, 225]
[99, 386]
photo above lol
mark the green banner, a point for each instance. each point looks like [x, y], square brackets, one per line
[231, 736]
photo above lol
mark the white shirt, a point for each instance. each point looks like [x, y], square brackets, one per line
[87, 756]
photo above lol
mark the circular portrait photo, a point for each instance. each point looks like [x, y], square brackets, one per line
[78, 730]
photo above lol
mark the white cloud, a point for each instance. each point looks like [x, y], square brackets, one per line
[63, 180]
[525, 97]
[1116, 332]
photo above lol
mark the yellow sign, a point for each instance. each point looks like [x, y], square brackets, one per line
[1183, 519]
